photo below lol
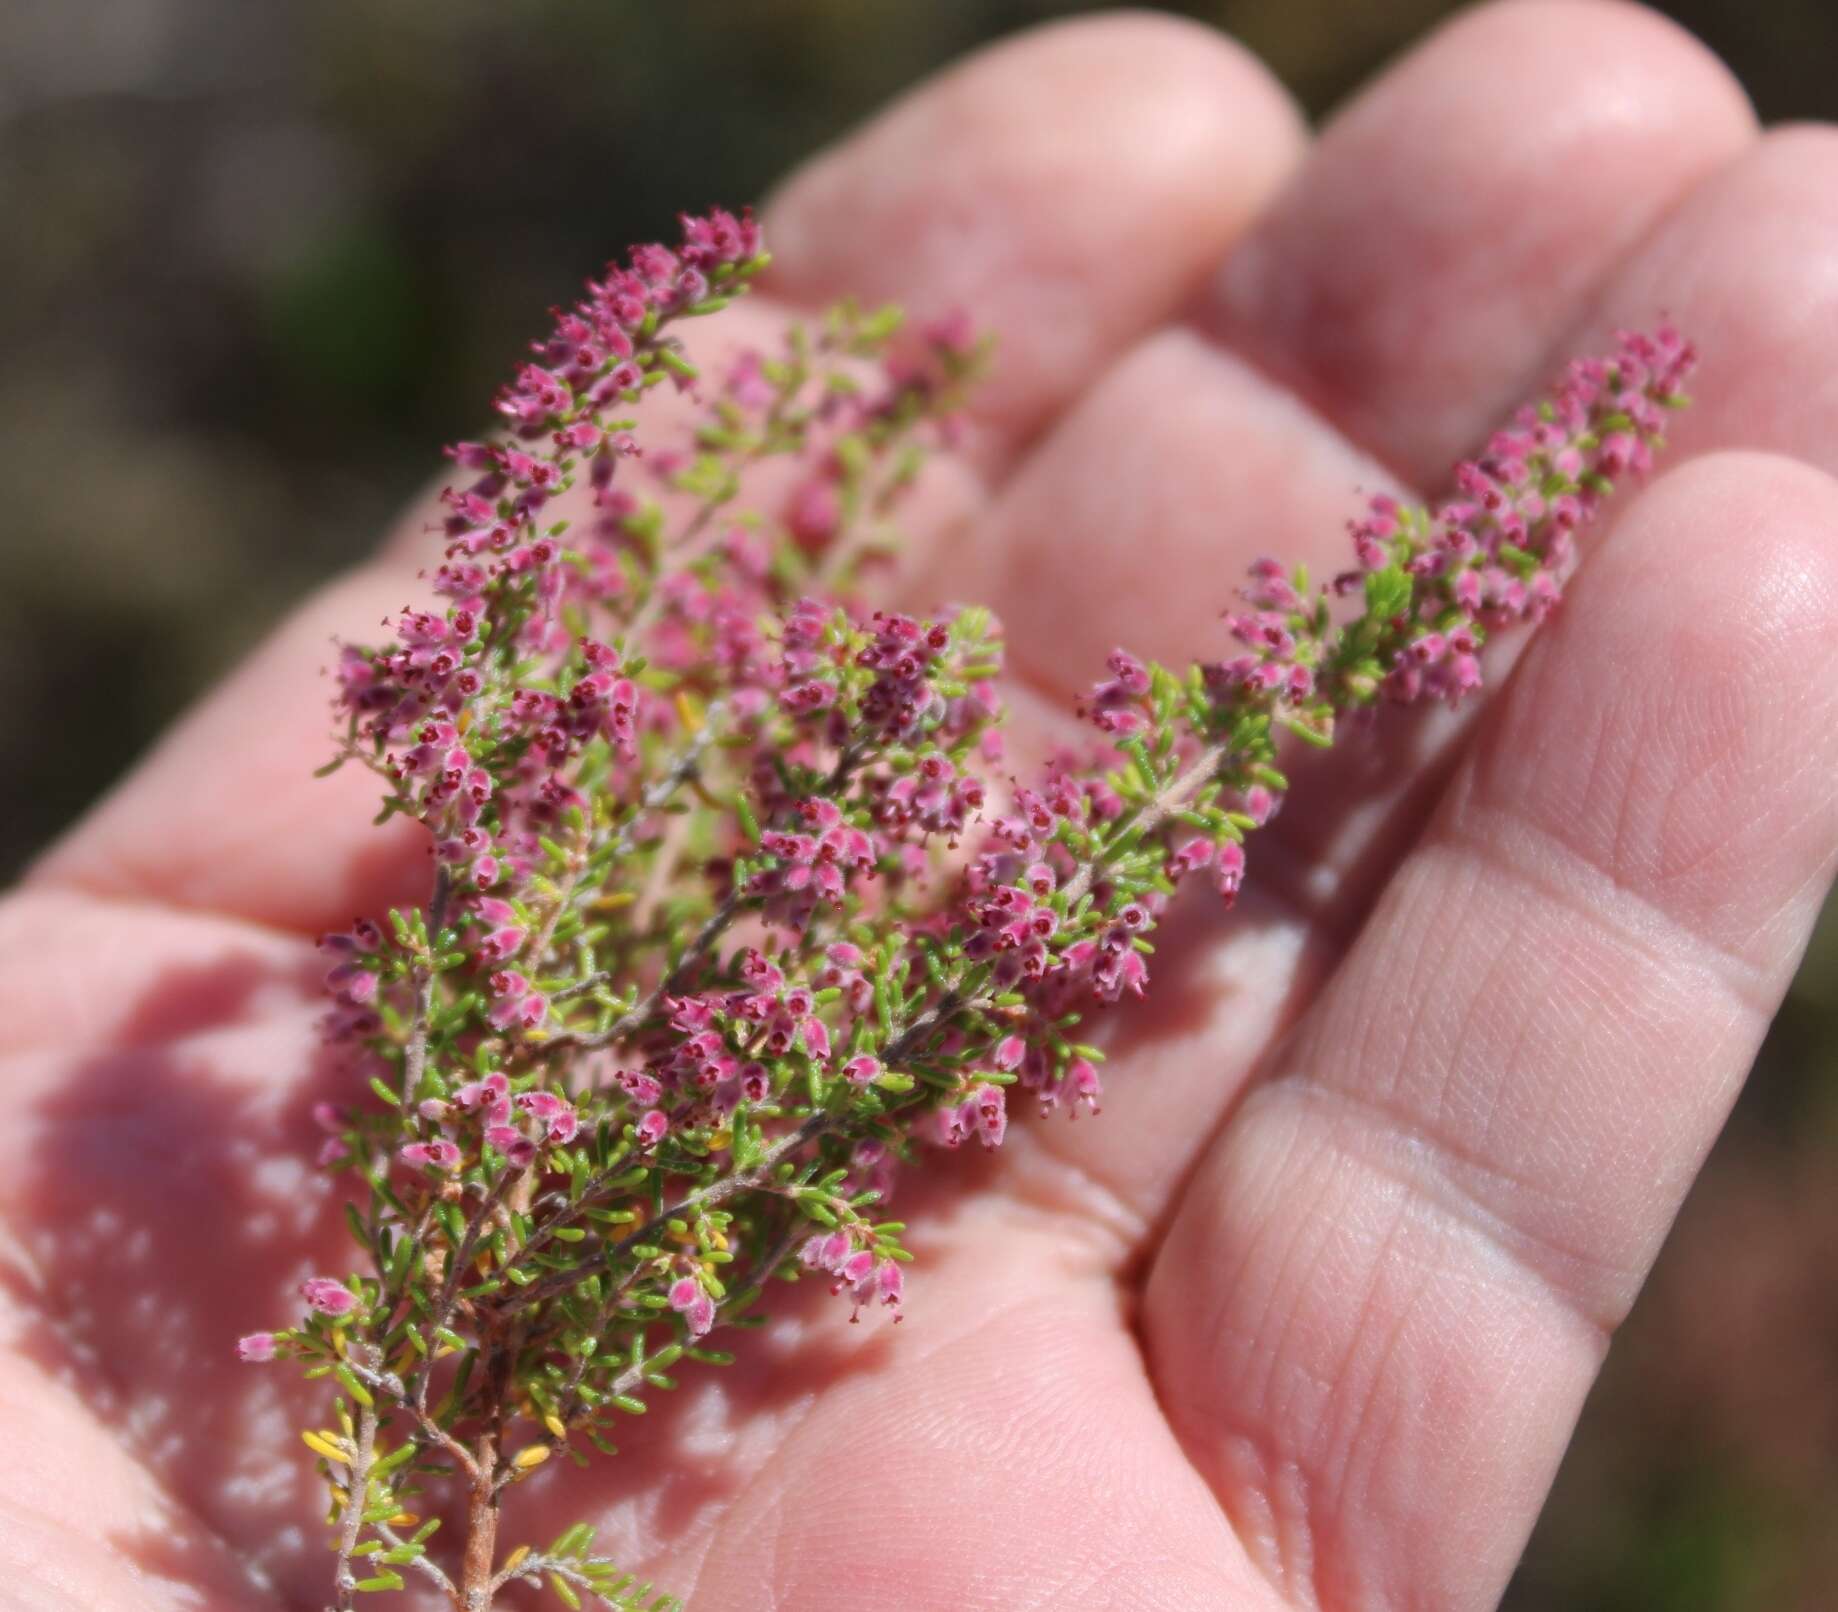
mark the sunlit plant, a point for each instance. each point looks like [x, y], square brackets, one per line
[736, 910]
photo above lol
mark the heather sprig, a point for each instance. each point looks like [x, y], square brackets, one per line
[734, 909]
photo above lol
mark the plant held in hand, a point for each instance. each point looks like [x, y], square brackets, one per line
[735, 908]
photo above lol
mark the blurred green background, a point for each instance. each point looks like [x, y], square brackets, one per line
[262, 256]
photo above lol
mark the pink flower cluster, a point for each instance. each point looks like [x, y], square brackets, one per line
[699, 968]
[856, 1271]
[485, 1112]
[812, 866]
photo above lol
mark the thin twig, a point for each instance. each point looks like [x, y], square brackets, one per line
[357, 1491]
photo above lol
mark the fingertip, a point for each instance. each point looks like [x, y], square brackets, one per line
[1457, 212]
[1677, 728]
[1748, 265]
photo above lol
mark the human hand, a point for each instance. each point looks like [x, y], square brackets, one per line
[1307, 1316]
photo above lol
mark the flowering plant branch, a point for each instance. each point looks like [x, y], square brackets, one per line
[733, 910]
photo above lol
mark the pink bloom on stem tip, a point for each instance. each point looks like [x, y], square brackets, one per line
[440, 1154]
[855, 1269]
[255, 1348]
[487, 1094]
[862, 1071]
[1228, 871]
[991, 1114]
[652, 1128]
[890, 1284]
[690, 1301]
[328, 1296]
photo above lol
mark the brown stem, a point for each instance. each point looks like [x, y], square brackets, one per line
[433, 1435]
[635, 1017]
[481, 1547]
[482, 1506]
[357, 1491]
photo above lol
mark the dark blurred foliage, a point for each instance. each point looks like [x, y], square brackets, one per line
[262, 256]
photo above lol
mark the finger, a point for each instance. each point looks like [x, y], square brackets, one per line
[224, 816]
[1207, 445]
[1379, 1309]
[1069, 190]
[1748, 264]
[1454, 217]
[1134, 519]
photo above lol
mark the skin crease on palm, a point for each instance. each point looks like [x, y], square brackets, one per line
[1306, 1317]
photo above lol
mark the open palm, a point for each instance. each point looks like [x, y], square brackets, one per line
[1306, 1318]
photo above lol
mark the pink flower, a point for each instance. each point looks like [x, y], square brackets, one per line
[689, 1299]
[517, 1002]
[560, 1122]
[439, 1154]
[501, 944]
[1228, 870]
[990, 1108]
[488, 1097]
[256, 1347]
[890, 1284]
[862, 1071]
[518, 1150]
[328, 1296]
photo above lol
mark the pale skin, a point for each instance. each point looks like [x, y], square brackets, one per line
[1306, 1318]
